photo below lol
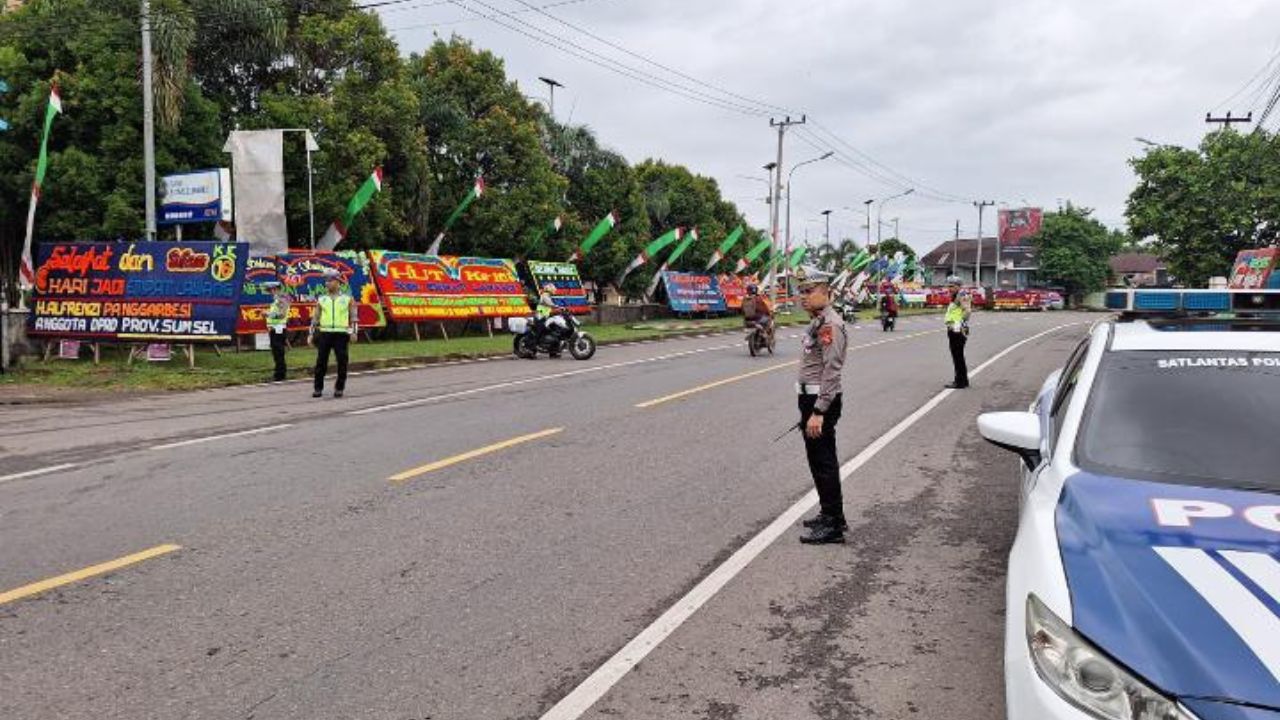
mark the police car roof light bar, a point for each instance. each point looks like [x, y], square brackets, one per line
[1154, 304]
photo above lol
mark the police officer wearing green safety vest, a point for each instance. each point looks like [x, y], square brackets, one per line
[277, 321]
[957, 320]
[333, 328]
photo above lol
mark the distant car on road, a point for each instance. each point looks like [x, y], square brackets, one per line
[1144, 580]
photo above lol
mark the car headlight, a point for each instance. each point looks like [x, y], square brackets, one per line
[1087, 678]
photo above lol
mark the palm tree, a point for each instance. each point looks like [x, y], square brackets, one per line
[834, 258]
[241, 33]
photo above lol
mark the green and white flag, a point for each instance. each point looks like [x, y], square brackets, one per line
[26, 271]
[752, 255]
[797, 257]
[477, 191]
[650, 250]
[601, 229]
[337, 231]
[725, 247]
[690, 239]
[861, 260]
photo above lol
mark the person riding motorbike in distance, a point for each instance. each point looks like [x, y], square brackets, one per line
[757, 311]
[888, 300]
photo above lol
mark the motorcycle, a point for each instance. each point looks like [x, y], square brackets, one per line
[847, 311]
[759, 339]
[562, 331]
[888, 320]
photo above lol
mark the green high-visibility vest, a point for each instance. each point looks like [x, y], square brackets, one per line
[335, 313]
[955, 312]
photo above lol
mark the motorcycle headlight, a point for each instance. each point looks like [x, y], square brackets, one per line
[1087, 678]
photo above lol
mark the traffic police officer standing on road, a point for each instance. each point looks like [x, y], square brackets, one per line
[957, 319]
[277, 321]
[333, 327]
[821, 364]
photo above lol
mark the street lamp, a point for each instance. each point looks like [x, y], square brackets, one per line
[868, 204]
[826, 238]
[880, 210]
[552, 85]
[795, 167]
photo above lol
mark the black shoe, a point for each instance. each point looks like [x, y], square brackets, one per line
[827, 534]
[955, 386]
[317, 394]
[820, 519]
[337, 393]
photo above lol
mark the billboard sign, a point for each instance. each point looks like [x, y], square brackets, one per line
[569, 291]
[256, 296]
[733, 288]
[174, 292]
[419, 287]
[1255, 269]
[303, 274]
[1018, 225]
[693, 292]
[203, 196]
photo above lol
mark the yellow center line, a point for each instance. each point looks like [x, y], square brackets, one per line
[711, 386]
[91, 571]
[440, 464]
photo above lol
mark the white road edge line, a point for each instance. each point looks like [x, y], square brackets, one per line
[38, 471]
[224, 436]
[585, 695]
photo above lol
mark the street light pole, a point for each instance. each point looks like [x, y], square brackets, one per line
[868, 204]
[880, 210]
[982, 206]
[148, 125]
[826, 238]
[552, 85]
[795, 167]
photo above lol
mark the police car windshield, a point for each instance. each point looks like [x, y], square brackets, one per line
[1200, 418]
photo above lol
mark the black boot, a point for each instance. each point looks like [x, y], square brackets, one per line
[827, 533]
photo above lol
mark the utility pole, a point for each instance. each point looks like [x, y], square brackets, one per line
[1227, 121]
[148, 123]
[896, 235]
[782, 126]
[977, 273]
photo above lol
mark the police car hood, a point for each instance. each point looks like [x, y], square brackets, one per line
[1190, 604]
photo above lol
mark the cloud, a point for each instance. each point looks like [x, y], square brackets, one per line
[1006, 100]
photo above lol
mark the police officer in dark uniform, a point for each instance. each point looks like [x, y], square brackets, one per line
[821, 365]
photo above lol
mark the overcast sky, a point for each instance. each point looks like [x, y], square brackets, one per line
[1016, 101]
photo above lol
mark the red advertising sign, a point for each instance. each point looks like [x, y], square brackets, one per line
[734, 288]
[428, 287]
[1254, 269]
[1016, 226]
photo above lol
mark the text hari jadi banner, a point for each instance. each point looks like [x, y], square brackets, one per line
[181, 292]
[428, 287]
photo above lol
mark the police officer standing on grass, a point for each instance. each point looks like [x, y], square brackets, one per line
[333, 328]
[957, 319]
[821, 364]
[277, 321]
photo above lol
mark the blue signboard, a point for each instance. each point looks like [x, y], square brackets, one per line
[177, 292]
[693, 293]
[203, 196]
[564, 276]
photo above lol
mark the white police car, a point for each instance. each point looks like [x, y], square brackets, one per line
[1144, 582]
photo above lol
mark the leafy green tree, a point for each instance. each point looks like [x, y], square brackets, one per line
[1074, 249]
[477, 122]
[893, 246]
[1200, 207]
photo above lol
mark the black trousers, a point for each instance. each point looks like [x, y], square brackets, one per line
[338, 343]
[277, 353]
[821, 451]
[957, 342]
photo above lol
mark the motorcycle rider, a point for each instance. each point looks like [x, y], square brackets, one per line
[544, 312]
[888, 302]
[757, 311]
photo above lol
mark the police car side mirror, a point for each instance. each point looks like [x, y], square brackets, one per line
[1017, 432]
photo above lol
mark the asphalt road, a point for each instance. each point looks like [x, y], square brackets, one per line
[477, 540]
